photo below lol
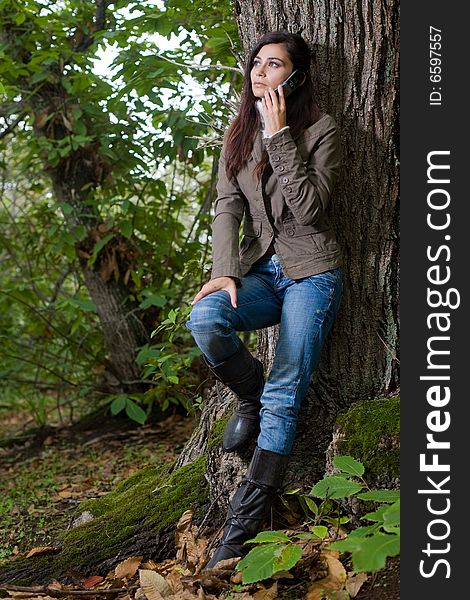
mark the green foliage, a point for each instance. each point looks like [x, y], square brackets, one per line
[150, 127]
[269, 558]
[369, 545]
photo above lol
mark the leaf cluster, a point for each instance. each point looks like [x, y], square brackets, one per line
[369, 545]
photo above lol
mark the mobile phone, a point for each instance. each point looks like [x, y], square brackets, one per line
[295, 79]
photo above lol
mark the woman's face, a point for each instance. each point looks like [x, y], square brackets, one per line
[270, 67]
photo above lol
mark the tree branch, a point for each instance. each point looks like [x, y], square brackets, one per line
[11, 127]
[197, 66]
[48, 591]
[100, 23]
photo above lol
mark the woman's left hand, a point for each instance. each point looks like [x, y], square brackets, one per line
[274, 110]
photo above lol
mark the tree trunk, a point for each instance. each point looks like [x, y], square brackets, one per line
[123, 331]
[355, 47]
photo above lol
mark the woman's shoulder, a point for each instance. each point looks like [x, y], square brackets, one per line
[323, 125]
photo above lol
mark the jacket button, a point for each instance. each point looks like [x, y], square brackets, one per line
[290, 231]
[276, 158]
[280, 168]
[285, 180]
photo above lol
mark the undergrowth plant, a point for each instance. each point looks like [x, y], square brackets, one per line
[369, 545]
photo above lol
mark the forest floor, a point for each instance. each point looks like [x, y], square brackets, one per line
[45, 475]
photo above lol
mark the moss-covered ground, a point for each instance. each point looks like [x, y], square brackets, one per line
[118, 473]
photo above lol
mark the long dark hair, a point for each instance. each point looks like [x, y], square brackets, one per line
[302, 110]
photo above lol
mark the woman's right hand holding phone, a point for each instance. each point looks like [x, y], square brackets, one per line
[214, 285]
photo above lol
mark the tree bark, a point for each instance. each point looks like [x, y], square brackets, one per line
[355, 50]
[123, 331]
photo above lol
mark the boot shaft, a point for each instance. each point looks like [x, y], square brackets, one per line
[242, 373]
[267, 468]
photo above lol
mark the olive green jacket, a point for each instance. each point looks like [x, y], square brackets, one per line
[297, 189]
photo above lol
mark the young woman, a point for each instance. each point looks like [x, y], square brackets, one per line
[278, 165]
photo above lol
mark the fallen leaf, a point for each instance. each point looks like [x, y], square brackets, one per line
[226, 565]
[154, 585]
[41, 550]
[174, 580]
[65, 494]
[128, 568]
[55, 585]
[333, 582]
[336, 568]
[354, 583]
[140, 594]
[266, 593]
[190, 550]
[90, 582]
[236, 578]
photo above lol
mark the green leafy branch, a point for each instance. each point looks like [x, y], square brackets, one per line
[369, 545]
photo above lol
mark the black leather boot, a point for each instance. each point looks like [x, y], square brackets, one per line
[243, 374]
[250, 504]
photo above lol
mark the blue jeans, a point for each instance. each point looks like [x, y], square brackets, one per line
[305, 308]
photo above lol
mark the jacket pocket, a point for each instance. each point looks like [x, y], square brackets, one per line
[251, 232]
[297, 239]
[252, 228]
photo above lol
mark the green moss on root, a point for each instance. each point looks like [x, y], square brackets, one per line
[139, 509]
[217, 432]
[371, 434]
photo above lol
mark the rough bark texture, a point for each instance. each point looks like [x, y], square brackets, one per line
[355, 49]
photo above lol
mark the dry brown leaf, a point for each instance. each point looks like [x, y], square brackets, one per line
[266, 593]
[190, 549]
[333, 582]
[67, 123]
[65, 494]
[174, 580]
[354, 583]
[127, 568]
[336, 568]
[236, 578]
[186, 595]
[154, 585]
[140, 594]
[90, 582]
[55, 585]
[41, 119]
[41, 550]
[226, 565]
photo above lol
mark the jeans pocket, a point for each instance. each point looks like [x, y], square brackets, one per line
[328, 282]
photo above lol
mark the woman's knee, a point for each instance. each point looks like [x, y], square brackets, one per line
[210, 314]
